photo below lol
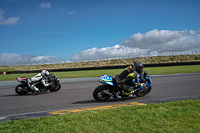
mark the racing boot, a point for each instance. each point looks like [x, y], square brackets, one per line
[117, 95]
[34, 88]
[128, 88]
[28, 82]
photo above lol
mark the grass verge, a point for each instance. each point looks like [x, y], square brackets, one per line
[180, 116]
[112, 72]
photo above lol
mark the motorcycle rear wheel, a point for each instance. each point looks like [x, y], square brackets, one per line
[20, 89]
[99, 95]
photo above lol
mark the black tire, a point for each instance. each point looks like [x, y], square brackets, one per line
[55, 88]
[143, 93]
[20, 89]
[99, 95]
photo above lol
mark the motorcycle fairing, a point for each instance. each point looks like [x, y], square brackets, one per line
[149, 81]
[106, 79]
[21, 79]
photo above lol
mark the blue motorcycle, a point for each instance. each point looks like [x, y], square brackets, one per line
[110, 88]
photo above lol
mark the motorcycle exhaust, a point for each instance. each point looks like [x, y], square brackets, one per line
[106, 92]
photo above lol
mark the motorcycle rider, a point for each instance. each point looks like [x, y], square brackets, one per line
[40, 77]
[130, 73]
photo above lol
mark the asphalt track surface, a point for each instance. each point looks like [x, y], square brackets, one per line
[77, 93]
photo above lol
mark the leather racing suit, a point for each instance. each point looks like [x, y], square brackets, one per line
[128, 75]
[36, 80]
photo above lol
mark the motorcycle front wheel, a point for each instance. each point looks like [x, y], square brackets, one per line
[143, 93]
[55, 88]
[99, 95]
[20, 89]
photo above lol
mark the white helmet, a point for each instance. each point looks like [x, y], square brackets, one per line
[45, 73]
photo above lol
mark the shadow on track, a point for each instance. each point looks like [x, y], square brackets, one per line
[107, 101]
[29, 94]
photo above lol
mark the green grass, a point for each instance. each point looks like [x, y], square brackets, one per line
[171, 117]
[112, 72]
[173, 69]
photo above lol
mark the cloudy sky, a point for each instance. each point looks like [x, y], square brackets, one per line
[51, 30]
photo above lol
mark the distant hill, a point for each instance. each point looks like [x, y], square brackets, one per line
[108, 62]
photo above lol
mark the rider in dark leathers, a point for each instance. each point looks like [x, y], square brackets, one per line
[130, 73]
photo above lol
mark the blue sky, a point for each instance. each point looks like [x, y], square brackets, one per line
[68, 28]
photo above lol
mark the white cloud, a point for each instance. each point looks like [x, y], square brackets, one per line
[109, 52]
[8, 21]
[152, 43]
[15, 59]
[45, 5]
[71, 13]
[165, 40]
[61, 10]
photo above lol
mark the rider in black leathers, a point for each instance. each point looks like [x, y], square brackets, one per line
[130, 73]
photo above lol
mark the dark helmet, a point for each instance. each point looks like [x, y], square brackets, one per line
[138, 67]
